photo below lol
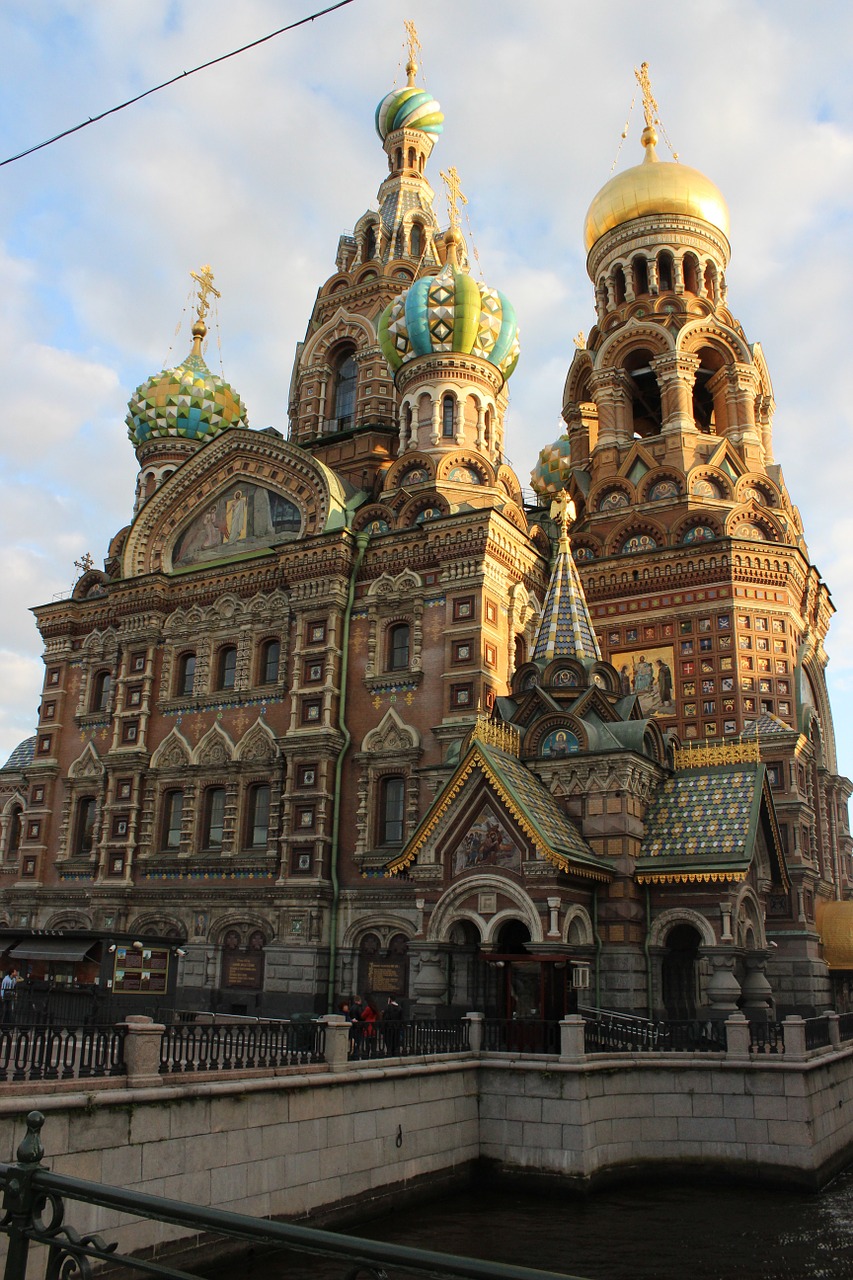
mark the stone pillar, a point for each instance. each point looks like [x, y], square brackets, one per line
[613, 399]
[757, 992]
[435, 434]
[723, 991]
[764, 407]
[337, 1041]
[834, 1030]
[429, 980]
[737, 1037]
[741, 388]
[142, 1051]
[572, 1039]
[794, 1028]
[676, 375]
[475, 1030]
[553, 917]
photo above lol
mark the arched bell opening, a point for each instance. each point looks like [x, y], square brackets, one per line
[646, 409]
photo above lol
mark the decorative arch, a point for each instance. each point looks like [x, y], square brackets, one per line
[384, 924]
[257, 744]
[710, 333]
[390, 736]
[450, 908]
[635, 336]
[174, 752]
[160, 926]
[660, 478]
[342, 326]
[69, 920]
[640, 530]
[578, 919]
[411, 459]
[215, 748]
[87, 765]
[471, 461]
[669, 919]
[748, 913]
[244, 925]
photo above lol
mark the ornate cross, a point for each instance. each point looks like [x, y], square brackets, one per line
[563, 511]
[414, 50]
[85, 563]
[650, 106]
[205, 289]
[454, 195]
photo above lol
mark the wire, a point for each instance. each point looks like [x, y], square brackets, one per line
[183, 75]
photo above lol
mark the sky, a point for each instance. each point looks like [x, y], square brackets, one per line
[258, 164]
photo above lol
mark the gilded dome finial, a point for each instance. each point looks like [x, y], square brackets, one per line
[204, 279]
[454, 238]
[414, 49]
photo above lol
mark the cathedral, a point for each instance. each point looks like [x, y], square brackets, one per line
[350, 710]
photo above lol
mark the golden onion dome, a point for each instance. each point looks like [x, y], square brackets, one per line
[655, 186]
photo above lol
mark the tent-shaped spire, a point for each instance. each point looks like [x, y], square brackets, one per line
[566, 628]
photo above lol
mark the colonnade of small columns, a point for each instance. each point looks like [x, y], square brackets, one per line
[667, 271]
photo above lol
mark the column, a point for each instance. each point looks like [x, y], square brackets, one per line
[676, 375]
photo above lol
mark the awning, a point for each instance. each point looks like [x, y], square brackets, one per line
[834, 922]
[51, 949]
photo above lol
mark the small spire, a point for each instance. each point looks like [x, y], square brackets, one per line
[414, 49]
[565, 629]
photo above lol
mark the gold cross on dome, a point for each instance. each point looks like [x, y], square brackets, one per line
[205, 289]
[454, 195]
[650, 106]
[414, 49]
[84, 564]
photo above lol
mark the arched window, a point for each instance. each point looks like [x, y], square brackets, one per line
[13, 839]
[618, 285]
[399, 243]
[691, 273]
[84, 826]
[173, 812]
[711, 281]
[270, 656]
[213, 818]
[392, 794]
[370, 243]
[398, 647]
[416, 240]
[186, 675]
[101, 691]
[665, 278]
[520, 651]
[413, 161]
[346, 378]
[226, 669]
[640, 268]
[258, 816]
[447, 417]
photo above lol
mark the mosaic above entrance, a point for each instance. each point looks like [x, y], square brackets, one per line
[648, 673]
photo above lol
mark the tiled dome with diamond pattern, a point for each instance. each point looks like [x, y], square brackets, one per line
[551, 473]
[188, 401]
[450, 312]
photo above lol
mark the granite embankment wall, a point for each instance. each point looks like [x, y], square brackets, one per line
[340, 1134]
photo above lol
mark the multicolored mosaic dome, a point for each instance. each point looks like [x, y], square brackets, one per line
[450, 312]
[408, 108]
[188, 401]
[551, 473]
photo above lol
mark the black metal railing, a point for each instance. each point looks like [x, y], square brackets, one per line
[43, 1004]
[33, 1054]
[845, 1026]
[407, 1039]
[766, 1037]
[240, 1046]
[37, 1202]
[623, 1033]
[817, 1033]
[521, 1035]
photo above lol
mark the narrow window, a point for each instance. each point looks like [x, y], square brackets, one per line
[691, 274]
[416, 240]
[412, 158]
[618, 286]
[447, 417]
[227, 669]
[84, 827]
[399, 243]
[101, 691]
[398, 647]
[214, 818]
[186, 675]
[665, 272]
[641, 275]
[258, 816]
[370, 244]
[346, 377]
[270, 656]
[15, 827]
[173, 812]
[392, 799]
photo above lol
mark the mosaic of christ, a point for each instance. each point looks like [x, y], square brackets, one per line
[243, 518]
[648, 672]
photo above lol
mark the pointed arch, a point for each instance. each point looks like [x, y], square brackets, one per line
[257, 744]
[173, 752]
[215, 748]
[88, 764]
[391, 735]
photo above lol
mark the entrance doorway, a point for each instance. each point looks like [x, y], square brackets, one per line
[679, 972]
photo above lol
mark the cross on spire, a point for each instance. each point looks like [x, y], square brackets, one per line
[205, 289]
[414, 49]
[454, 195]
[650, 106]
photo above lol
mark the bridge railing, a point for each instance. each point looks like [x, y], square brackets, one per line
[38, 1204]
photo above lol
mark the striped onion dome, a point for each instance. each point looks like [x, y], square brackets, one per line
[450, 312]
[188, 401]
[409, 108]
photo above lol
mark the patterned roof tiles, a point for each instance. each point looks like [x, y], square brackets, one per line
[22, 755]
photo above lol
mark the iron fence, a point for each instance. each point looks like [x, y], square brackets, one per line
[35, 1054]
[407, 1039]
[520, 1035]
[766, 1037]
[845, 1026]
[36, 1204]
[817, 1033]
[240, 1046]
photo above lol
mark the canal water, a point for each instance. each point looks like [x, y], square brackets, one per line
[645, 1231]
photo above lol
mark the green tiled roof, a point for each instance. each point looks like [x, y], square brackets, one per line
[702, 825]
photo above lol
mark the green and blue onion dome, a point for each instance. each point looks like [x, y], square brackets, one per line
[552, 471]
[450, 312]
[189, 402]
[409, 108]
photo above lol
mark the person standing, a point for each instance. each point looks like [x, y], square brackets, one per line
[392, 1027]
[7, 996]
